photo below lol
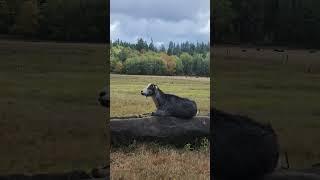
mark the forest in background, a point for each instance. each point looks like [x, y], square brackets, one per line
[66, 20]
[294, 23]
[258, 22]
[144, 58]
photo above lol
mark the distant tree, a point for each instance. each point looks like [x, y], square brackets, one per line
[113, 63]
[196, 64]
[162, 48]
[186, 60]
[267, 22]
[170, 63]
[4, 16]
[118, 68]
[185, 47]
[141, 44]
[200, 64]
[151, 46]
[43, 30]
[124, 59]
[146, 65]
[206, 65]
[26, 21]
[223, 16]
[177, 50]
[124, 54]
[192, 49]
[179, 65]
[132, 66]
[170, 48]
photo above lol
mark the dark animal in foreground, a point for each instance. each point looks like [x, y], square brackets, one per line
[242, 148]
[104, 98]
[168, 104]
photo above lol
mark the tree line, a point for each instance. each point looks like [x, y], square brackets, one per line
[146, 59]
[71, 20]
[267, 22]
[173, 48]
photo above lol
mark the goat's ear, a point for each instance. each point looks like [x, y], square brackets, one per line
[155, 86]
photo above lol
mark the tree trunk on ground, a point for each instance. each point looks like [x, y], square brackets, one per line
[169, 130]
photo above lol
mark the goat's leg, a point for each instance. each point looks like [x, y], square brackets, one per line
[159, 113]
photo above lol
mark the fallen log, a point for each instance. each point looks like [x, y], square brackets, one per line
[169, 130]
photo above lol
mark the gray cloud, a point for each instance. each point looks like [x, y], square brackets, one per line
[164, 9]
[177, 20]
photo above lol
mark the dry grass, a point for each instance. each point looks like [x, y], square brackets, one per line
[152, 161]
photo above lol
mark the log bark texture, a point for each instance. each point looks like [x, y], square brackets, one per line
[168, 130]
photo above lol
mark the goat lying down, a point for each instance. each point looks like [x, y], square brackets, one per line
[169, 104]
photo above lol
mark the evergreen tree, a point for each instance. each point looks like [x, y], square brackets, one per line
[186, 60]
[26, 22]
[4, 16]
[141, 45]
[151, 46]
[162, 48]
[170, 48]
[177, 50]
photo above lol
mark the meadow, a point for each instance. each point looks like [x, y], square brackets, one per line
[149, 160]
[50, 119]
[281, 88]
[127, 100]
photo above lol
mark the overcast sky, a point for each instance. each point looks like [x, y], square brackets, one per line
[161, 20]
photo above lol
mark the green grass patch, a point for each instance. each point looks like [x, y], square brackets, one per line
[268, 89]
[127, 100]
[50, 119]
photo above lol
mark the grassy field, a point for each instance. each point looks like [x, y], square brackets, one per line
[50, 120]
[277, 87]
[151, 161]
[127, 100]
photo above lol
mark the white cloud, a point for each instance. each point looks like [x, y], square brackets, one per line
[158, 44]
[205, 29]
[115, 29]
